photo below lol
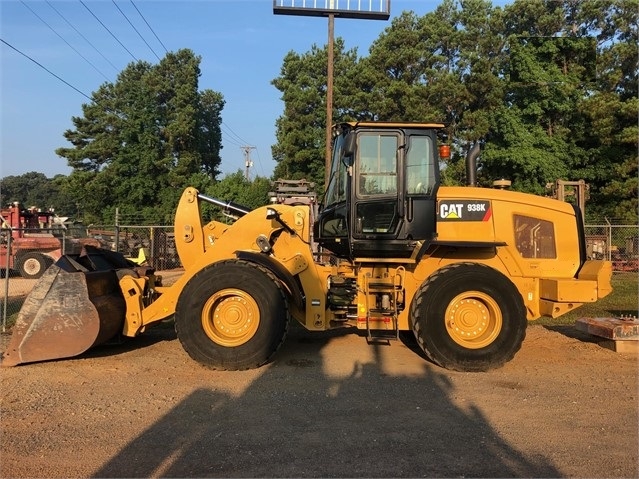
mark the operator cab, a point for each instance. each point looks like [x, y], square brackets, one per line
[381, 195]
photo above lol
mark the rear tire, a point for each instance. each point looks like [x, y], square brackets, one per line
[33, 265]
[232, 315]
[469, 317]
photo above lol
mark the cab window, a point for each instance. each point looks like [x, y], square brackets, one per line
[420, 166]
[377, 164]
[534, 238]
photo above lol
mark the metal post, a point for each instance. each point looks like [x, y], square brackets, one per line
[117, 229]
[152, 248]
[329, 97]
[609, 239]
[6, 282]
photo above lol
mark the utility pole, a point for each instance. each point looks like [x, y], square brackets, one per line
[329, 99]
[247, 160]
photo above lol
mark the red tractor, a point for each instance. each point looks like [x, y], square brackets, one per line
[28, 241]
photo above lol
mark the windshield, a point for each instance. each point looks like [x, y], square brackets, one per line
[336, 191]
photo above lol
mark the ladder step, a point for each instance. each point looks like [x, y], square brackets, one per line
[379, 335]
[384, 286]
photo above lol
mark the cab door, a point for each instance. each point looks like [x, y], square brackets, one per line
[421, 184]
[377, 184]
[394, 183]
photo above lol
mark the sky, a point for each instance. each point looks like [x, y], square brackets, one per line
[80, 44]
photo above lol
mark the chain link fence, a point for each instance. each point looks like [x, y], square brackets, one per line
[25, 254]
[156, 246]
[616, 243]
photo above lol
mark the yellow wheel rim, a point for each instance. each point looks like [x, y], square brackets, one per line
[473, 319]
[230, 317]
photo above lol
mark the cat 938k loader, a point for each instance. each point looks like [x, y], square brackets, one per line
[388, 250]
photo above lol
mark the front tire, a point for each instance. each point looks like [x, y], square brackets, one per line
[232, 315]
[469, 317]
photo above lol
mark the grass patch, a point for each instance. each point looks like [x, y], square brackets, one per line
[623, 301]
[12, 309]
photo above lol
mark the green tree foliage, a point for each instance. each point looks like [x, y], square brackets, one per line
[236, 188]
[300, 131]
[143, 139]
[30, 189]
[443, 67]
[36, 190]
[393, 74]
[535, 138]
[548, 87]
[610, 112]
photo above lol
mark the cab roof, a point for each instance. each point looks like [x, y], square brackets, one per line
[389, 124]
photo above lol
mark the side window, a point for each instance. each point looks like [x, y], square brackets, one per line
[420, 166]
[534, 238]
[377, 165]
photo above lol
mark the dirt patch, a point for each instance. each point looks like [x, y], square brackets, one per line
[16, 287]
[329, 405]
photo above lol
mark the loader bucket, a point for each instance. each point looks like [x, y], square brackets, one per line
[69, 310]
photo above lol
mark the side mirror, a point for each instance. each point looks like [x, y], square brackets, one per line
[350, 143]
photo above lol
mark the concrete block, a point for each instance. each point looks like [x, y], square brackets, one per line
[621, 346]
[626, 329]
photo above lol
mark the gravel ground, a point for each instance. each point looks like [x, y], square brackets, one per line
[329, 405]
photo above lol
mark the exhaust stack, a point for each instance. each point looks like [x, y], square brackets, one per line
[471, 164]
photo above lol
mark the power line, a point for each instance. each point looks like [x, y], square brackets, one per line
[259, 161]
[236, 140]
[230, 130]
[147, 24]
[136, 30]
[228, 136]
[232, 141]
[105, 27]
[46, 69]
[85, 38]
[69, 45]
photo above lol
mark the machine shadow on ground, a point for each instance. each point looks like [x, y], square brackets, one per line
[295, 420]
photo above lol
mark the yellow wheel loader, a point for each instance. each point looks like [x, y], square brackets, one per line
[388, 250]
